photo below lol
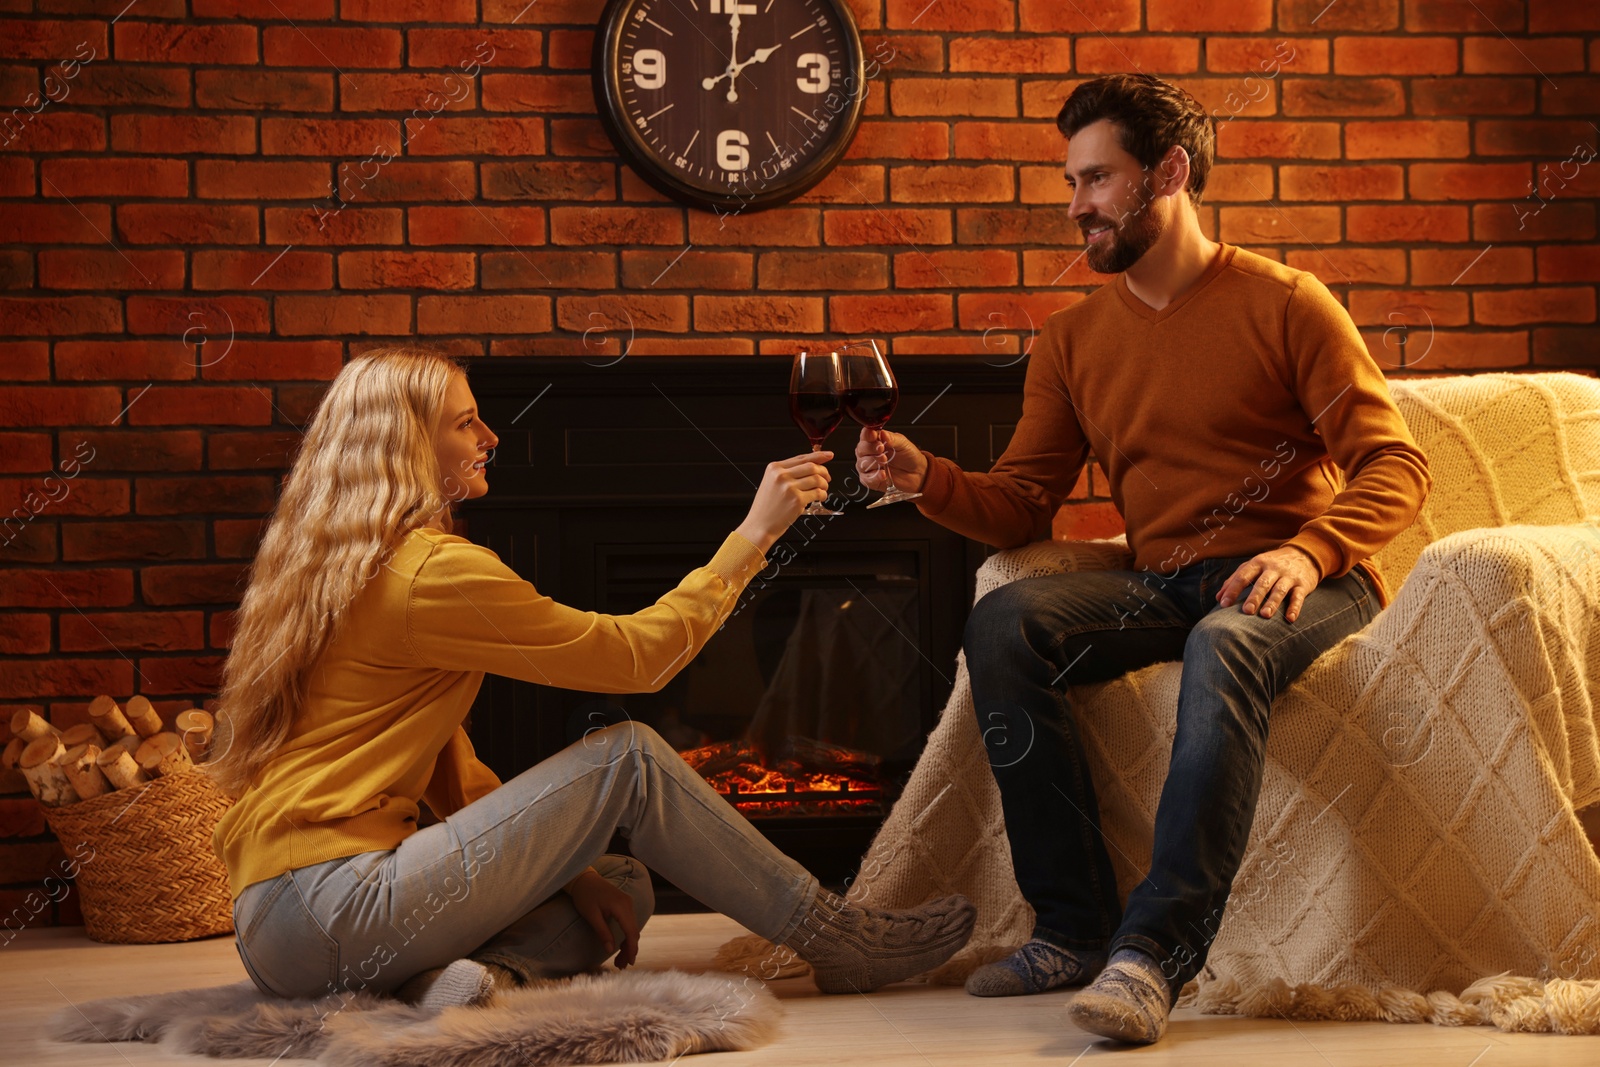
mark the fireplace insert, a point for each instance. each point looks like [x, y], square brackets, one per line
[809, 707]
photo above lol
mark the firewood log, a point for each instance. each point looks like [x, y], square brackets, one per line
[85, 733]
[83, 772]
[195, 726]
[143, 717]
[108, 718]
[30, 726]
[119, 766]
[163, 754]
[46, 779]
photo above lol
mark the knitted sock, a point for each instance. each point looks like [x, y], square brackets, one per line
[855, 949]
[1130, 1001]
[462, 983]
[1034, 968]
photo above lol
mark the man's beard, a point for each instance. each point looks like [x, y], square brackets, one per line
[1124, 244]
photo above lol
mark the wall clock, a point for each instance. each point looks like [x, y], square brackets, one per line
[729, 104]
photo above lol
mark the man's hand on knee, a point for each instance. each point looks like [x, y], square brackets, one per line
[1282, 572]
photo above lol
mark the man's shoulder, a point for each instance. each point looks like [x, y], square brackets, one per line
[1251, 268]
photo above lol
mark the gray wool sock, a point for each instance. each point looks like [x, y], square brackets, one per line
[462, 983]
[1034, 968]
[855, 949]
[1130, 1001]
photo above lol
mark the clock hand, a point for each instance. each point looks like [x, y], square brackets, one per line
[761, 56]
[733, 53]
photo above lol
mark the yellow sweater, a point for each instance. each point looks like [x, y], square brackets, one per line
[381, 728]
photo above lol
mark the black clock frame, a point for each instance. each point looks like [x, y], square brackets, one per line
[770, 191]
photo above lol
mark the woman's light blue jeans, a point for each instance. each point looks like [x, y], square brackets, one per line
[486, 881]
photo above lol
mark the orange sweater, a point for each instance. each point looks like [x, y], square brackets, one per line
[1228, 424]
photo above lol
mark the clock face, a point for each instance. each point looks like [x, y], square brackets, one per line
[730, 103]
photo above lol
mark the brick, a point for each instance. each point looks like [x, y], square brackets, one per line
[1280, 225]
[565, 94]
[616, 226]
[134, 450]
[264, 90]
[475, 226]
[1343, 96]
[854, 185]
[1157, 55]
[133, 631]
[1568, 263]
[1570, 95]
[1405, 222]
[1225, 99]
[1554, 16]
[958, 15]
[61, 132]
[1448, 16]
[823, 270]
[523, 269]
[188, 224]
[16, 177]
[202, 319]
[550, 180]
[476, 137]
[273, 271]
[34, 543]
[346, 227]
[318, 47]
[1566, 346]
[182, 674]
[1352, 266]
[955, 269]
[208, 494]
[996, 313]
[21, 452]
[694, 270]
[172, 360]
[1470, 181]
[209, 44]
[1342, 184]
[129, 541]
[1560, 138]
[420, 94]
[509, 48]
[893, 226]
[618, 312]
[1285, 140]
[1016, 226]
[1081, 16]
[55, 316]
[1319, 16]
[1472, 96]
[1414, 307]
[384, 315]
[297, 403]
[118, 85]
[369, 142]
[192, 583]
[57, 588]
[264, 10]
[903, 52]
[222, 629]
[1493, 266]
[253, 450]
[1531, 220]
[110, 269]
[1011, 55]
[22, 361]
[951, 184]
[1009, 140]
[53, 40]
[759, 314]
[1395, 55]
[1517, 307]
[223, 179]
[276, 360]
[409, 10]
[1459, 350]
[996, 346]
[899, 140]
[1043, 99]
[58, 405]
[101, 176]
[16, 269]
[785, 226]
[407, 270]
[579, 137]
[202, 405]
[899, 313]
[953, 96]
[1208, 16]
[476, 315]
[183, 134]
[1068, 267]
[237, 538]
[1538, 56]
[56, 224]
[21, 817]
[1266, 55]
[1406, 139]
[64, 493]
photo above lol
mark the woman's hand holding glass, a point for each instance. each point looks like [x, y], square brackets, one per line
[786, 488]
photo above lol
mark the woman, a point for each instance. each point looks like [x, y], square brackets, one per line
[359, 646]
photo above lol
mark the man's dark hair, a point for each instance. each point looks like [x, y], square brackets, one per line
[1151, 116]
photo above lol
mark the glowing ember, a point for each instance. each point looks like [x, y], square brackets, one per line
[739, 772]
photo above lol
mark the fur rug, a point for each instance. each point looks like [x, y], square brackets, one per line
[616, 1017]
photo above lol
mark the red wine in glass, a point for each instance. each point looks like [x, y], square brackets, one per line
[870, 396]
[816, 403]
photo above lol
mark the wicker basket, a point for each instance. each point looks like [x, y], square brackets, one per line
[146, 868]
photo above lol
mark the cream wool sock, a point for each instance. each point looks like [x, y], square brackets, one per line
[1130, 1001]
[855, 949]
[463, 983]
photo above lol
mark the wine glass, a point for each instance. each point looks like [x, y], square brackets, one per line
[870, 396]
[816, 404]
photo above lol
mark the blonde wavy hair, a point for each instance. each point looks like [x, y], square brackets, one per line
[365, 476]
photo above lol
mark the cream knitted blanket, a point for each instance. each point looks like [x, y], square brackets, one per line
[1415, 844]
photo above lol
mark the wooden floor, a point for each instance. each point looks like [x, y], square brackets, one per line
[43, 970]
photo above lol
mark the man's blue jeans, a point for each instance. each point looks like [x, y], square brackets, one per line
[1027, 641]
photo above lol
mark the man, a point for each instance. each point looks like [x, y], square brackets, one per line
[1223, 393]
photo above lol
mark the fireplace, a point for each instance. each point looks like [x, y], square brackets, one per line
[809, 707]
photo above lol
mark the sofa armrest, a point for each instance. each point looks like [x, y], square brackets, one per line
[1052, 557]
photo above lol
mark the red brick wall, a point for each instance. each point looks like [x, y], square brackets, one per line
[177, 280]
